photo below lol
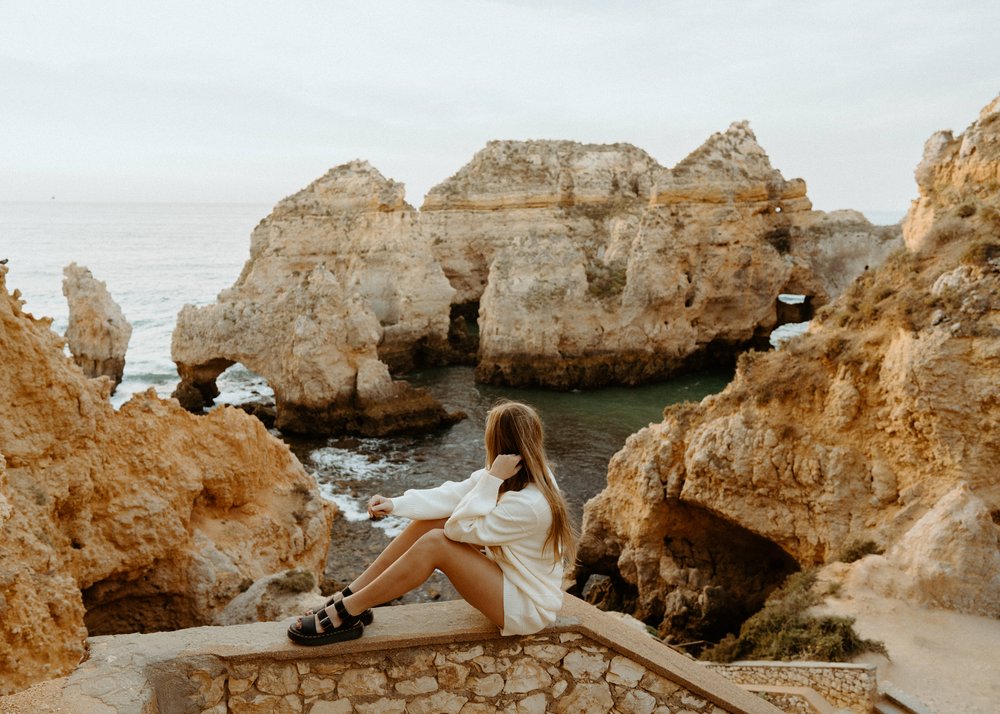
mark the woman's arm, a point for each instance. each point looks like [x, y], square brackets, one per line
[479, 519]
[426, 503]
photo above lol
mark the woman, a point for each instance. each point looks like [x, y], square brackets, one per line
[500, 536]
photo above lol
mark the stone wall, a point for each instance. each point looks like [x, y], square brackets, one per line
[564, 672]
[847, 686]
[440, 657]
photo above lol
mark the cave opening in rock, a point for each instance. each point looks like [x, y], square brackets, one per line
[244, 389]
[793, 308]
[699, 581]
[463, 332]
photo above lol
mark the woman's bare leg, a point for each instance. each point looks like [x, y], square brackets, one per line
[477, 578]
[399, 545]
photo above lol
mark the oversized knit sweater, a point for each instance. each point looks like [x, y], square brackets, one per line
[518, 523]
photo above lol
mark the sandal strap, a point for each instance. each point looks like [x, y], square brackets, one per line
[346, 618]
[346, 592]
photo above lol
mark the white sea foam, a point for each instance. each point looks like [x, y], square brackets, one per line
[355, 509]
[783, 333]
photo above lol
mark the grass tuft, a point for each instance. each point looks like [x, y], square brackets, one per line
[784, 630]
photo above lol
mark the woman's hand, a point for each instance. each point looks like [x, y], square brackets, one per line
[505, 465]
[379, 507]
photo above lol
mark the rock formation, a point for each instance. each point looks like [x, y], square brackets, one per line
[880, 424]
[143, 519]
[98, 332]
[563, 264]
[340, 282]
[609, 268]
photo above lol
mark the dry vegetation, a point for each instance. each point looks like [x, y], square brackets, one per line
[785, 630]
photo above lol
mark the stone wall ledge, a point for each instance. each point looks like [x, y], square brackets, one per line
[163, 673]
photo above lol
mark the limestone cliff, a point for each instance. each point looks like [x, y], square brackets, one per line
[142, 519]
[98, 332]
[340, 281]
[879, 424]
[596, 265]
[550, 263]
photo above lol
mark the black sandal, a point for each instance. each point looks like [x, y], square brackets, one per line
[367, 617]
[350, 628]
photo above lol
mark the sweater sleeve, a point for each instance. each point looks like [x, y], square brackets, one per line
[430, 503]
[480, 520]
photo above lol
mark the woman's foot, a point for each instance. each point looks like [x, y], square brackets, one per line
[367, 617]
[329, 625]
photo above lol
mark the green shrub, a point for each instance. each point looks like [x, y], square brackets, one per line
[858, 550]
[784, 630]
[295, 581]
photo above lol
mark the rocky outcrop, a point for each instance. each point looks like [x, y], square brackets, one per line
[596, 265]
[557, 263]
[98, 332]
[877, 425]
[340, 284]
[143, 519]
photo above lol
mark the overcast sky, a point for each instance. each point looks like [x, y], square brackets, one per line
[250, 101]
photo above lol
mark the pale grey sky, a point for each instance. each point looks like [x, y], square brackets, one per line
[250, 101]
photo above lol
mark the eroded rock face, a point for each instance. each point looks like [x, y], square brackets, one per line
[879, 424]
[142, 519]
[555, 263]
[596, 265]
[98, 332]
[340, 281]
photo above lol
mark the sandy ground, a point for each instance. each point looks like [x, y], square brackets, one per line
[946, 661]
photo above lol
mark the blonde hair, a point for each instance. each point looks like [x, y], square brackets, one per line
[515, 428]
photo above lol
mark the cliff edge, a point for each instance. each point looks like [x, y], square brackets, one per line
[138, 520]
[880, 424]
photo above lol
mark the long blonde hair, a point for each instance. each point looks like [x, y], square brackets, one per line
[515, 428]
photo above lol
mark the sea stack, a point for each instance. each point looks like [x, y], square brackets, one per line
[592, 264]
[340, 285]
[877, 426]
[98, 332]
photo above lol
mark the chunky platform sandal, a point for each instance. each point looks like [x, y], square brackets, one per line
[367, 617]
[350, 628]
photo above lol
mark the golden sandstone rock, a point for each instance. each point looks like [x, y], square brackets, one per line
[340, 282]
[149, 518]
[583, 265]
[881, 424]
[98, 332]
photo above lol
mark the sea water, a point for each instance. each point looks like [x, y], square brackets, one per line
[155, 258]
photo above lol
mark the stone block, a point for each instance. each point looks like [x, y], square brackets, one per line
[478, 708]
[382, 706]
[452, 676]
[340, 706]
[546, 653]
[362, 683]
[526, 675]
[625, 672]
[583, 665]
[636, 701]
[316, 686]
[210, 687]
[488, 686]
[437, 703]
[535, 704]
[465, 654]
[655, 684]
[278, 679]
[585, 698]
[418, 685]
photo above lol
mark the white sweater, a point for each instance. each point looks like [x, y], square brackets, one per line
[518, 523]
